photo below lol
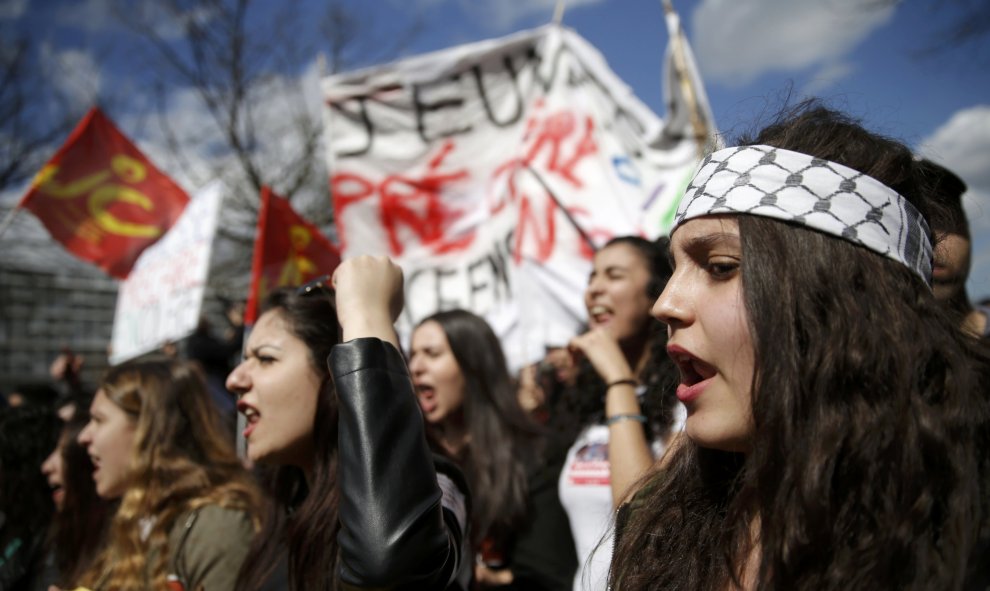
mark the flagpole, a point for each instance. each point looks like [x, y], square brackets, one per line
[558, 12]
[9, 219]
[321, 64]
[684, 81]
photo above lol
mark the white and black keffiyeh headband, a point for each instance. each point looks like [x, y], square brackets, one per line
[800, 189]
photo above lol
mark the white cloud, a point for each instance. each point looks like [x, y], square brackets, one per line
[98, 16]
[190, 124]
[504, 15]
[501, 16]
[169, 26]
[12, 9]
[736, 41]
[91, 15]
[73, 72]
[826, 77]
[962, 144]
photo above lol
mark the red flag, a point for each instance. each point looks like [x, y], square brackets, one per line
[288, 250]
[102, 198]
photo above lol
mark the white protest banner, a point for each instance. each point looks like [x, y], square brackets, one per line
[490, 172]
[162, 297]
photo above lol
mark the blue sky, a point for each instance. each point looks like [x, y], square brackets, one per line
[867, 57]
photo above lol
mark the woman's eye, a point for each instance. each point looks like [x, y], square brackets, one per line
[722, 269]
[265, 359]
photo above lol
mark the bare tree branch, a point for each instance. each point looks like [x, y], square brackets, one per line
[33, 117]
[971, 24]
[244, 60]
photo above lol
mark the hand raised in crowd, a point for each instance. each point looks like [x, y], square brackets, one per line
[487, 577]
[630, 456]
[369, 297]
[66, 366]
[604, 353]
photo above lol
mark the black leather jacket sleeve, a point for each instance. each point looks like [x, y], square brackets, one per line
[394, 532]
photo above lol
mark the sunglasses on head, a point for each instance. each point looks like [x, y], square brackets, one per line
[321, 285]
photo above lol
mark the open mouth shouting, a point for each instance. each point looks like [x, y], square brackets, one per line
[427, 397]
[95, 460]
[599, 315]
[695, 373]
[58, 493]
[252, 416]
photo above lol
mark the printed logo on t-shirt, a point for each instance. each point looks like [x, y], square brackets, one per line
[590, 465]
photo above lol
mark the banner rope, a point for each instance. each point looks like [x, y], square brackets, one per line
[584, 235]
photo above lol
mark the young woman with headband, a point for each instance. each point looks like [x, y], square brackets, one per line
[837, 418]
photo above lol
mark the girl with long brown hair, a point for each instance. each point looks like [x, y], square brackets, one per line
[187, 507]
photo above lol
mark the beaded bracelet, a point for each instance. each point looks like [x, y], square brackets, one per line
[625, 382]
[625, 417]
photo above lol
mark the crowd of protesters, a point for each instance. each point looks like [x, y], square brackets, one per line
[791, 391]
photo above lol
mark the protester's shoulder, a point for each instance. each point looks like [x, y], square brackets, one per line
[209, 544]
[447, 470]
[212, 526]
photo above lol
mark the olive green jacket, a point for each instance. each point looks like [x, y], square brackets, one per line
[207, 547]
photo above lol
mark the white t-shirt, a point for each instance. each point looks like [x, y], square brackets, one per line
[586, 494]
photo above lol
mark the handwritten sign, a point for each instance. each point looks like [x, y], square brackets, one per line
[492, 171]
[162, 298]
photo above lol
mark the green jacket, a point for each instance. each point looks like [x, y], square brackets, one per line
[207, 547]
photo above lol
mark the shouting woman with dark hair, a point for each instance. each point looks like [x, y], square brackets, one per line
[837, 418]
[472, 412]
[359, 500]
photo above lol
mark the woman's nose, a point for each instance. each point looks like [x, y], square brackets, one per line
[416, 365]
[85, 438]
[237, 381]
[595, 285]
[672, 307]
